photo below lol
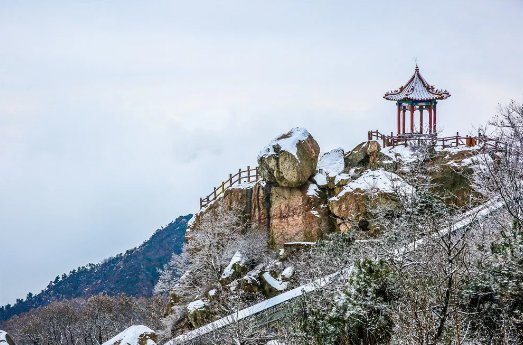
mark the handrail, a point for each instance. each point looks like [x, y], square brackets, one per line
[247, 175]
[433, 139]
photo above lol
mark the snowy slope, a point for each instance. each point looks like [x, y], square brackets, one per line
[134, 335]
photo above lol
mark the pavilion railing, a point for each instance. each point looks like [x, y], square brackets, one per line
[242, 176]
[434, 140]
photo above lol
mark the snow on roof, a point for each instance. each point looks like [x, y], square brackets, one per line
[286, 142]
[377, 181]
[417, 89]
[196, 305]
[131, 336]
[237, 258]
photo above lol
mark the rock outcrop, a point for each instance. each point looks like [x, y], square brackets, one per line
[134, 335]
[361, 202]
[290, 159]
[5, 339]
[298, 214]
[366, 155]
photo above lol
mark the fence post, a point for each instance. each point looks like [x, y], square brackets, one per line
[201, 202]
[256, 173]
[240, 175]
[230, 180]
[248, 173]
[443, 142]
[457, 138]
[223, 187]
[214, 193]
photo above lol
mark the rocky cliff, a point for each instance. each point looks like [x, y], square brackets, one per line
[301, 195]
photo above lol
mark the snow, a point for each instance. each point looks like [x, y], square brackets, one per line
[286, 142]
[287, 273]
[274, 342]
[196, 305]
[236, 259]
[299, 243]
[212, 293]
[332, 163]
[403, 154]
[341, 177]
[456, 149]
[376, 181]
[313, 190]
[3, 336]
[274, 283]
[130, 336]
[320, 179]
[315, 213]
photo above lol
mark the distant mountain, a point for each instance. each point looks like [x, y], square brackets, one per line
[134, 272]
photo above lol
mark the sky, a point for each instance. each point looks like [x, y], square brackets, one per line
[116, 116]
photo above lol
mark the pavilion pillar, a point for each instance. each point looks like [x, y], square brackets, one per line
[434, 119]
[421, 119]
[412, 119]
[399, 110]
[403, 122]
[430, 119]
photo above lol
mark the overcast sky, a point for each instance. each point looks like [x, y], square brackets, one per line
[116, 116]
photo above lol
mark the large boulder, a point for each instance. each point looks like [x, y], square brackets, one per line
[134, 335]
[298, 214]
[5, 339]
[365, 155]
[290, 159]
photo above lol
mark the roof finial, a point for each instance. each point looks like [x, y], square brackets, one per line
[416, 62]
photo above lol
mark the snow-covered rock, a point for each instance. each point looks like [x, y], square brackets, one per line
[290, 159]
[197, 312]
[271, 285]
[5, 339]
[134, 335]
[235, 269]
[374, 190]
[330, 164]
[287, 273]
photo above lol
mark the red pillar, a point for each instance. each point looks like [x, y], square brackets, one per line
[430, 118]
[399, 108]
[421, 119]
[411, 119]
[434, 118]
[403, 123]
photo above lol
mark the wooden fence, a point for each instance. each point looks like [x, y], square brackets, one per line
[434, 140]
[247, 175]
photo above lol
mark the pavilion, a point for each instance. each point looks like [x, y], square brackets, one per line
[416, 95]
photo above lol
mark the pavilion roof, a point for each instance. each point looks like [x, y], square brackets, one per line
[417, 89]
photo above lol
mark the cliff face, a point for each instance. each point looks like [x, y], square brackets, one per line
[302, 196]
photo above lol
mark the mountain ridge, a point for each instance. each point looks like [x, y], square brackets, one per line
[133, 272]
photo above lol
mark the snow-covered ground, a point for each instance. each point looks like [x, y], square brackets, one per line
[131, 336]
